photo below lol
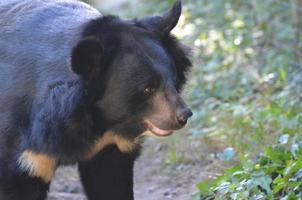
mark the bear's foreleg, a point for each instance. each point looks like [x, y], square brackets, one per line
[109, 175]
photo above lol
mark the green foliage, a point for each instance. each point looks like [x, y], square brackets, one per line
[276, 174]
[245, 90]
[245, 67]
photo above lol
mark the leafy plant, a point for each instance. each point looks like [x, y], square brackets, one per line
[276, 174]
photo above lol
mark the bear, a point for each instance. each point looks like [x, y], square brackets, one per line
[81, 88]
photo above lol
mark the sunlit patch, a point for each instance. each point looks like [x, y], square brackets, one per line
[238, 41]
[268, 77]
[238, 23]
[37, 165]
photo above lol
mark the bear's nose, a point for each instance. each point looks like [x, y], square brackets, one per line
[183, 115]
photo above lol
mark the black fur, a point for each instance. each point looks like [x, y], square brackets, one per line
[116, 170]
[17, 186]
[181, 56]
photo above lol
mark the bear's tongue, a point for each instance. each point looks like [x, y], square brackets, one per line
[157, 131]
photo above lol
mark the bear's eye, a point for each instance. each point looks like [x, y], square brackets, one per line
[149, 90]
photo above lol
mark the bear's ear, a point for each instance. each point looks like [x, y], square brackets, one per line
[164, 24]
[86, 56]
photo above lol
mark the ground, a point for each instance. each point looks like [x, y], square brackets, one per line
[159, 175]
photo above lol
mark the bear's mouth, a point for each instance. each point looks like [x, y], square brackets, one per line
[157, 131]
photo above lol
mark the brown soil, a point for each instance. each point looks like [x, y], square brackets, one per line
[159, 175]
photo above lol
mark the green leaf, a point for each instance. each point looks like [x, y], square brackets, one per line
[262, 180]
[293, 168]
[279, 183]
[205, 186]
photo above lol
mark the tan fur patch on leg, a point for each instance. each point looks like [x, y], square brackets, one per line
[109, 138]
[38, 165]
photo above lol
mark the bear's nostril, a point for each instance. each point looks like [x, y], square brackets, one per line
[183, 116]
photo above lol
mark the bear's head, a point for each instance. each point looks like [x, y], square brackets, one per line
[134, 71]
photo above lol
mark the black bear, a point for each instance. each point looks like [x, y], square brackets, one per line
[79, 87]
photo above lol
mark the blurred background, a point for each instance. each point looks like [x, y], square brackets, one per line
[244, 141]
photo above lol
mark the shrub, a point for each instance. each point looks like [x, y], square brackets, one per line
[275, 174]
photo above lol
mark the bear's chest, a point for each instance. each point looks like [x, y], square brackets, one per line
[44, 166]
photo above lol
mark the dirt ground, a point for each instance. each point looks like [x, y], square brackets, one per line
[167, 169]
[155, 179]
